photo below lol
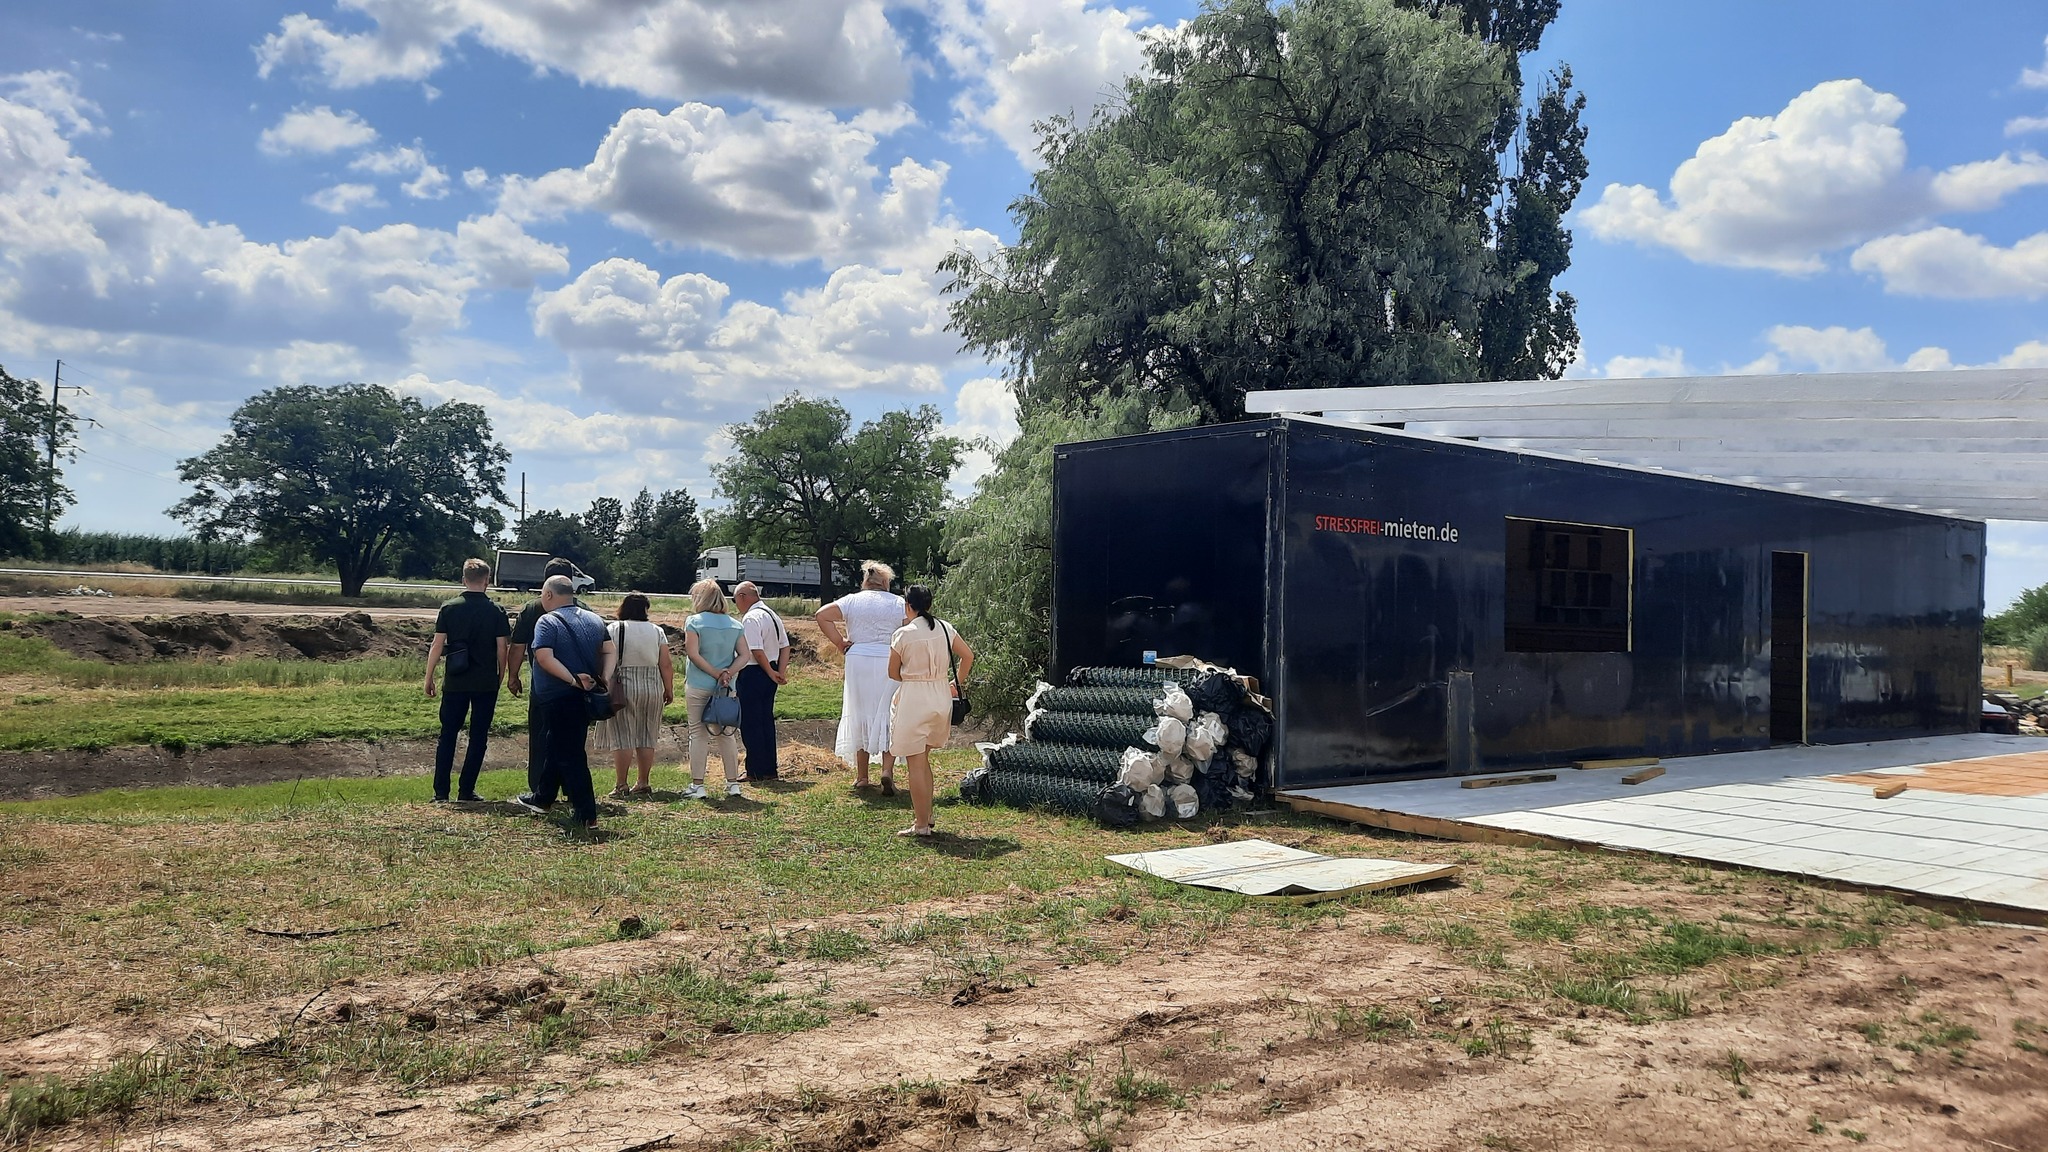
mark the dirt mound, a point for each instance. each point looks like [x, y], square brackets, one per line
[220, 636]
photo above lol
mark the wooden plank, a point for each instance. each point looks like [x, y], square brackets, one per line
[1645, 774]
[1887, 791]
[1505, 781]
[1434, 827]
[1616, 762]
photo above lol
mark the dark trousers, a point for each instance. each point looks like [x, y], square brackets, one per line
[478, 708]
[568, 757]
[536, 747]
[757, 721]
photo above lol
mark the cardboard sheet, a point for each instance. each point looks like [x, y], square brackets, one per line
[1261, 868]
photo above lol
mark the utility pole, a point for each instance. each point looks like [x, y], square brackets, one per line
[57, 388]
[522, 502]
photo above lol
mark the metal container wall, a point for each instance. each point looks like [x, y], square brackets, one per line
[1160, 544]
[1383, 635]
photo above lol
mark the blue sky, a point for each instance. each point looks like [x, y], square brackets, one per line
[622, 225]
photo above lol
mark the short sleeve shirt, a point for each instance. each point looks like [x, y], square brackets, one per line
[473, 622]
[765, 632]
[720, 641]
[575, 635]
[522, 630]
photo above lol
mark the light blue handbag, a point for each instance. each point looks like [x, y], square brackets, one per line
[722, 712]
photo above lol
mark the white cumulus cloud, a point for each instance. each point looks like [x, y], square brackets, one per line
[1956, 264]
[681, 344]
[820, 52]
[1775, 191]
[428, 181]
[2037, 77]
[77, 253]
[342, 199]
[1024, 61]
[1984, 184]
[317, 131]
[56, 95]
[796, 186]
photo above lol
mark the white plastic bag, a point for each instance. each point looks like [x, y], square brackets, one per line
[1141, 770]
[1205, 735]
[1153, 803]
[988, 747]
[1184, 802]
[1168, 735]
[1173, 701]
[1247, 764]
[1031, 702]
[1178, 770]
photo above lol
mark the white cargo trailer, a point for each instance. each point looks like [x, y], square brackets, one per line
[774, 577]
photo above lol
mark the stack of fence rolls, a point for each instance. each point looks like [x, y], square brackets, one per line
[1124, 744]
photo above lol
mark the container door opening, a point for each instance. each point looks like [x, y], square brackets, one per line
[1788, 647]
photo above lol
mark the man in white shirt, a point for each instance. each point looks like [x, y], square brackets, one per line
[767, 670]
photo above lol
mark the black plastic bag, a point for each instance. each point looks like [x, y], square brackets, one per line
[1215, 692]
[1117, 807]
[974, 787]
[1251, 730]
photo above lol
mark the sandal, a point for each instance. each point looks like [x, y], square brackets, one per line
[619, 794]
[643, 790]
[888, 785]
[914, 830]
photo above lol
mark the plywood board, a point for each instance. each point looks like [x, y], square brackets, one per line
[1262, 868]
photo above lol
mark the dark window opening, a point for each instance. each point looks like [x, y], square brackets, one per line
[1568, 587]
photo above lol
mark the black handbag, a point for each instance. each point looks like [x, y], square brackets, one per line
[458, 658]
[961, 705]
[597, 704]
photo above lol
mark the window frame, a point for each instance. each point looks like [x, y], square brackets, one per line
[1513, 565]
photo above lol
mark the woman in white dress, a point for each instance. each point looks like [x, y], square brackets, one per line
[859, 625]
[649, 671]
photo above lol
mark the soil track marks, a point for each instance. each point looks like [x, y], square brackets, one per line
[227, 636]
[1322, 1037]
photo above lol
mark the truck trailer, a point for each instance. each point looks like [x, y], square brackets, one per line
[524, 571]
[774, 577]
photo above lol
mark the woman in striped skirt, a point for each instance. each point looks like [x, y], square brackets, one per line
[650, 675]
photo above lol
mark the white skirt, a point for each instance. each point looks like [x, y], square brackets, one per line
[864, 707]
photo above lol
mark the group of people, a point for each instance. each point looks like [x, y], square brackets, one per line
[904, 667]
[572, 652]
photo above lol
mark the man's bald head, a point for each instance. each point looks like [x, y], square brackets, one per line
[746, 594]
[556, 591]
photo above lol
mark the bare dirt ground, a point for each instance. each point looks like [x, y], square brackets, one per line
[1330, 1033]
[135, 606]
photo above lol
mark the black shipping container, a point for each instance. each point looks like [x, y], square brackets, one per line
[1419, 606]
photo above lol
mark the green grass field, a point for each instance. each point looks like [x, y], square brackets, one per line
[53, 701]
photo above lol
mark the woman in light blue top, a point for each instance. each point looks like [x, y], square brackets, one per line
[717, 647]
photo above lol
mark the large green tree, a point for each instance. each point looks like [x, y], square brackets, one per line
[1326, 192]
[802, 481]
[999, 588]
[660, 542]
[349, 473]
[28, 427]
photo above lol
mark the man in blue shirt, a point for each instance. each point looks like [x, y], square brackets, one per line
[572, 656]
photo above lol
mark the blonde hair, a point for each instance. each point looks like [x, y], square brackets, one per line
[871, 569]
[707, 596]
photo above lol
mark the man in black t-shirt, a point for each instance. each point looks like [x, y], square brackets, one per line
[536, 718]
[470, 633]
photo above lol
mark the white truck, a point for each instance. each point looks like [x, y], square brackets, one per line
[523, 571]
[774, 577]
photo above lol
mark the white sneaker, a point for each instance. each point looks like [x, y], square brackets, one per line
[694, 792]
[732, 788]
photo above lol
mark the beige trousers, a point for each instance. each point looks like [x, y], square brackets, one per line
[701, 740]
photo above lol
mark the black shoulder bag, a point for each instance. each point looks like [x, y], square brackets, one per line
[961, 705]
